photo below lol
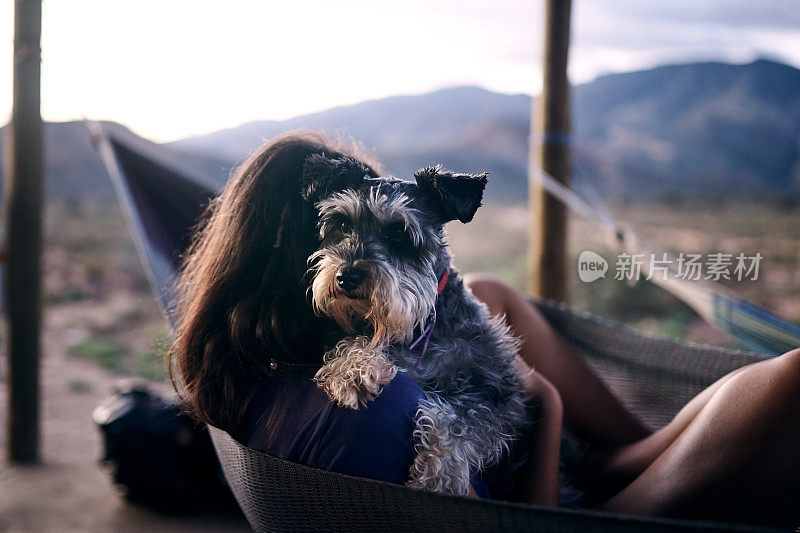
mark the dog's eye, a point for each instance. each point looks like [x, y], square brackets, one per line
[395, 232]
[342, 225]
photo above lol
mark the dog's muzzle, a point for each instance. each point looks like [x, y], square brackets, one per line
[349, 278]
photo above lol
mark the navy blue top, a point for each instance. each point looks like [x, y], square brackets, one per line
[293, 419]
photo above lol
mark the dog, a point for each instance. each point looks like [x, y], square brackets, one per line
[385, 274]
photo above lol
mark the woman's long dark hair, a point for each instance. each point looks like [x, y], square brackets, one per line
[241, 295]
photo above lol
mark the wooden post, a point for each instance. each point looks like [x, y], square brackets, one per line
[550, 150]
[24, 169]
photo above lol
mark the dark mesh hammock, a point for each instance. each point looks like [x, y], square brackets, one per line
[654, 377]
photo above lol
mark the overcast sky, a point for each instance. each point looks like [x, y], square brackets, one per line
[174, 68]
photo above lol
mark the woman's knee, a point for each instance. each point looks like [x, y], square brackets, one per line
[767, 395]
[789, 374]
[491, 291]
[783, 373]
[792, 362]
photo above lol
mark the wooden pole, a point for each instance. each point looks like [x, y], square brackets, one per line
[24, 169]
[550, 150]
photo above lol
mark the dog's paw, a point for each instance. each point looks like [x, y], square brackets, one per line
[441, 474]
[354, 372]
[443, 452]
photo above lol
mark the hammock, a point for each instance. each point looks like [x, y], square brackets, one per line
[654, 378]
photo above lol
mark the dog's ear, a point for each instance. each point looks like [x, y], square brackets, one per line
[457, 195]
[323, 176]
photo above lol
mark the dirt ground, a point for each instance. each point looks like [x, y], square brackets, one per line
[68, 491]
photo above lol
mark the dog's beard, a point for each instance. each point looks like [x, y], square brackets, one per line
[394, 302]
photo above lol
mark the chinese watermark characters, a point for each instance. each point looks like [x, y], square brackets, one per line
[715, 266]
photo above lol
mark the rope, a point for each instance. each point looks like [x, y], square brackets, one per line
[574, 202]
[754, 326]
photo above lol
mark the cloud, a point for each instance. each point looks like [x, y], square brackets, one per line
[620, 35]
[763, 14]
[171, 69]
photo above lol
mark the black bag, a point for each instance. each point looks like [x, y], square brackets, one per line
[159, 456]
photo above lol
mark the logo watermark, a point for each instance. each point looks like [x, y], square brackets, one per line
[686, 266]
[591, 266]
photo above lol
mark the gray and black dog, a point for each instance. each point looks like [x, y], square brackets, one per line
[384, 273]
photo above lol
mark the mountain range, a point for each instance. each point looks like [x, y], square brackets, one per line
[706, 130]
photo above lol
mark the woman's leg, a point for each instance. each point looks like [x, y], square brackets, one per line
[606, 471]
[730, 453]
[589, 408]
[609, 470]
[737, 458]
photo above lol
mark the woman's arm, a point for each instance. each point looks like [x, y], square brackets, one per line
[536, 482]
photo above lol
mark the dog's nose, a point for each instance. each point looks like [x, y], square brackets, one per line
[349, 277]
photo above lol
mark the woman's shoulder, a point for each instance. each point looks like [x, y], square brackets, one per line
[292, 418]
[399, 397]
